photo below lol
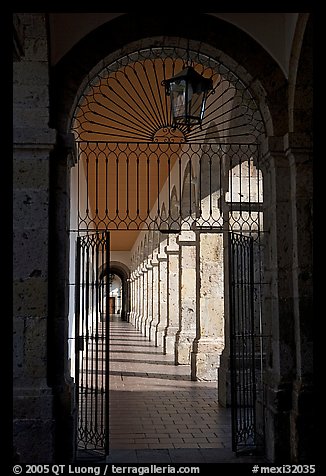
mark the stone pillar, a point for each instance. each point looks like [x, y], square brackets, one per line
[299, 152]
[33, 416]
[162, 276]
[33, 423]
[140, 298]
[132, 298]
[224, 376]
[126, 300]
[137, 298]
[155, 302]
[172, 327]
[187, 298]
[278, 301]
[209, 342]
[149, 315]
[59, 262]
[144, 297]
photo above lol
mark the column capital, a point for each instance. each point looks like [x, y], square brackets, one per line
[291, 140]
[172, 249]
[298, 140]
[161, 257]
[154, 262]
[33, 138]
[187, 238]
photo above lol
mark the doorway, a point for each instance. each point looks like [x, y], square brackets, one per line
[168, 196]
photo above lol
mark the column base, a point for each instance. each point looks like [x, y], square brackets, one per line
[183, 348]
[224, 380]
[277, 428]
[147, 331]
[169, 340]
[142, 325]
[159, 337]
[33, 425]
[205, 360]
[303, 424]
[131, 318]
[137, 322]
[152, 334]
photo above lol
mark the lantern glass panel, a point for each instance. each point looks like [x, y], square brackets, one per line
[178, 99]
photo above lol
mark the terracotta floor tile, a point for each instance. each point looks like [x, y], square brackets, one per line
[155, 404]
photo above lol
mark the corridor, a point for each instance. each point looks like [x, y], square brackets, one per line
[157, 414]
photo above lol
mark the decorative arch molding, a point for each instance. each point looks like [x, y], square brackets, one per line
[243, 55]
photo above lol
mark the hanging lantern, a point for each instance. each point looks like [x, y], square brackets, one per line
[188, 91]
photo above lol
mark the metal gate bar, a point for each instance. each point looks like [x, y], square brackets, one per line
[127, 186]
[92, 337]
[242, 342]
[129, 156]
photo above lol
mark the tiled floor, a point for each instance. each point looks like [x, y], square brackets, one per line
[154, 404]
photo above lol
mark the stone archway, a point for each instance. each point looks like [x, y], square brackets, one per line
[121, 270]
[272, 84]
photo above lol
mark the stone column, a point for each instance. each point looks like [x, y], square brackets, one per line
[126, 297]
[144, 297]
[187, 298]
[209, 342]
[33, 402]
[162, 276]
[155, 305]
[132, 298]
[299, 152]
[224, 376]
[141, 278]
[137, 298]
[172, 327]
[33, 423]
[149, 314]
[278, 303]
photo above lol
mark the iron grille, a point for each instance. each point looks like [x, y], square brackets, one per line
[129, 186]
[135, 172]
[245, 344]
[92, 330]
[125, 101]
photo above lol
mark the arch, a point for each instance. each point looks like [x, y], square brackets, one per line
[72, 71]
[121, 270]
[111, 39]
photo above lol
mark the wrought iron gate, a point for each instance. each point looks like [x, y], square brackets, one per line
[245, 383]
[91, 343]
[137, 172]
